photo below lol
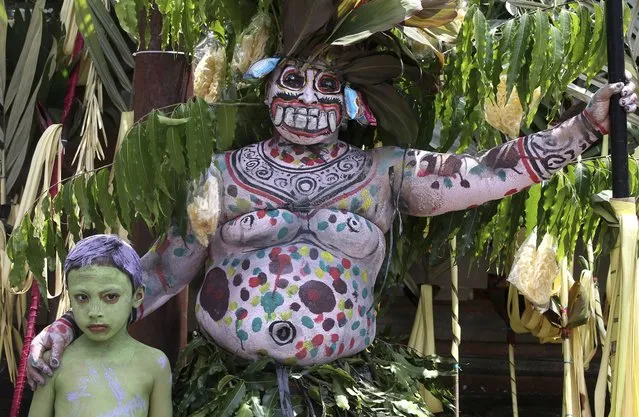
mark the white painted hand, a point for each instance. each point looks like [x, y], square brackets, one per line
[53, 339]
[597, 110]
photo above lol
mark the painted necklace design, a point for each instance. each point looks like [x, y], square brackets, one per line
[255, 168]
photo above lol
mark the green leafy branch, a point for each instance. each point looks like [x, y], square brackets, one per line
[148, 181]
[384, 381]
[544, 50]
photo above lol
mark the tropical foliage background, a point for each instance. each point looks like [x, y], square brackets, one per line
[491, 71]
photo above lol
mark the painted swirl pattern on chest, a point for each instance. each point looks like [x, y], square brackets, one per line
[256, 170]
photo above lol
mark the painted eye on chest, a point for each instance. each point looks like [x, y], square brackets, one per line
[247, 222]
[354, 225]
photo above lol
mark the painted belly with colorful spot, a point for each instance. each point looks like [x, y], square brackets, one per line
[299, 301]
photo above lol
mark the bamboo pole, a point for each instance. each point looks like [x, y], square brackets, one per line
[568, 375]
[22, 370]
[456, 340]
[618, 130]
[513, 381]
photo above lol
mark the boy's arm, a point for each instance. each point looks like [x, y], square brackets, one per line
[42, 404]
[161, 404]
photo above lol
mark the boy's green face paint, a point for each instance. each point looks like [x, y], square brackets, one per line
[102, 298]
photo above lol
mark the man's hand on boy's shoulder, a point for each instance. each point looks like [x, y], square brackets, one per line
[46, 350]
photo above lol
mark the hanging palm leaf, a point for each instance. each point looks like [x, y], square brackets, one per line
[99, 33]
[19, 96]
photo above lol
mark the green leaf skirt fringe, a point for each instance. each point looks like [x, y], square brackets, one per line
[384, 380]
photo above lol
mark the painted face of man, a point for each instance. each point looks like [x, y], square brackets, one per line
[102, 298]
[306, 104]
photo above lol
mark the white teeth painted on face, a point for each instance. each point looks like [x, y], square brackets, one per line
[288, 117]
[300, 121]
[279, 114]
[322, 123]
[332, 120]
[311, 120]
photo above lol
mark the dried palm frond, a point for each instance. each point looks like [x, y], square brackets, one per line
[13, 307]
[13, 301]
[90, 147]
[67, 17]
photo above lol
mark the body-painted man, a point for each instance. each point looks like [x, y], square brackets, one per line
[105, 371]
[300, 242]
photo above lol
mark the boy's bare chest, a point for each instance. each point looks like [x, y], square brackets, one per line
[91, 388]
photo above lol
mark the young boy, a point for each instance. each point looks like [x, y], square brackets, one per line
[105, 372]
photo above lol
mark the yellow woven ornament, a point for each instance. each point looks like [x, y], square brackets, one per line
[209, 74]
[507, 116]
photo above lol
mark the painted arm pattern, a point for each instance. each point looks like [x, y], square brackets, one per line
[435, 183]
[169, 266]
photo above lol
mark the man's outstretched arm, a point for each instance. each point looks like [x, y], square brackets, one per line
[435, 183]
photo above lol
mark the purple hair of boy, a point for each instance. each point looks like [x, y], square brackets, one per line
[106, 250]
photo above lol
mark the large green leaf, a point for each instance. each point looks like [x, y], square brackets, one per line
[556, 57]
[232, 400]
[98, 45]
[156, 140]
[22, 85]
[17, 249]
[81, 194]
[434, 13]
[481, 44]
[120, 190]
[3, 55]
[226, 119]
[520, 42]
[501, 53]
[579, 56]
[373, 16]
[105, 200]
[373, 69]
[17, 145]
[127, 13]
[540, 47]
[538, 60]
[532, 207]
[200, 134]
[111, 32]
[597, 53]
[392, 111]
[141, 166]
[175, 149]
[302, 19]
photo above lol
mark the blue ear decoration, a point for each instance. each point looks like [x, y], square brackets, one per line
[261, 68]
[351, 98]
[357, 109]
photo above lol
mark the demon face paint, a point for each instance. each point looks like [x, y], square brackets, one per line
[306, 103]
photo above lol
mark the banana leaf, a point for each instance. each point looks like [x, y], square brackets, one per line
[369, 18]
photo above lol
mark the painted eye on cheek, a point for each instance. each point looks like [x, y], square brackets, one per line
[354, 225]
[247, 222]
[111, 298]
